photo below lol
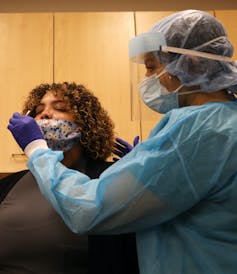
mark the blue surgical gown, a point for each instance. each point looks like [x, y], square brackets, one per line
[177, 190]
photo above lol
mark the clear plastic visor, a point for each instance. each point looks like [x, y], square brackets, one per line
[144, 52]
[155, 42]
[143, 57]
[148, 65]
[140, 45]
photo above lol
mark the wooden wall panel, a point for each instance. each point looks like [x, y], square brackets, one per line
[92, 49]
[26, 60]
[229, 19]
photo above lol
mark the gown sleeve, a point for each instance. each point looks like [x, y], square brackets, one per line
[153, 183]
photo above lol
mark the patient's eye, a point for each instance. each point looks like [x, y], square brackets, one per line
[61, 106]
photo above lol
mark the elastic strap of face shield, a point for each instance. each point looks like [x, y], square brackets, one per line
[197, 53]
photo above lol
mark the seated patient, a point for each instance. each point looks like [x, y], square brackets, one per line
[37, 240]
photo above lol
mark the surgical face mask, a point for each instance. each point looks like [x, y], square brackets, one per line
[59, 134]
[156, 96]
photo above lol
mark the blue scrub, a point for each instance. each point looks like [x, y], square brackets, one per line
[177, 190]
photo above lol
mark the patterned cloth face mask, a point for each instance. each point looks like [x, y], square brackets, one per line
[59, 134]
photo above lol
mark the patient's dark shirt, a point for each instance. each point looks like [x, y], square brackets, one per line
[34, 239]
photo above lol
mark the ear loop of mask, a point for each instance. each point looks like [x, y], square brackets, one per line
[152, 77]
[157, 76]
[162, 73]
[190, 91]
[179, 88]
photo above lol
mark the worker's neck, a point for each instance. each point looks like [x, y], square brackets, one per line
[201, 98]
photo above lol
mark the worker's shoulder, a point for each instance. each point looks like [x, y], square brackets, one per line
[191, 120]
[212, 110]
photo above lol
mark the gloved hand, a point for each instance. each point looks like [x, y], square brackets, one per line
[121, 147]
[24, 129]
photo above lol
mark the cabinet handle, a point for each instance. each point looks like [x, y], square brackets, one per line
[14, 155]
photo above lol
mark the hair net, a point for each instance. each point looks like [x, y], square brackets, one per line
[193, 29]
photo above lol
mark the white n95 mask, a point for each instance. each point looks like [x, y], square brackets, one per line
[59, 134]
[156, 96]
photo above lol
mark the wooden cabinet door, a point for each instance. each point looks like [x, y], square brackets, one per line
[228, 19]
[25, 61]
[91, 48]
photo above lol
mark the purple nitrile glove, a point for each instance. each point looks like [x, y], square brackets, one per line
[24, 129]
[121, 147]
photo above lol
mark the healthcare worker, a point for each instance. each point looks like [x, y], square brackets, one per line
[178, 189]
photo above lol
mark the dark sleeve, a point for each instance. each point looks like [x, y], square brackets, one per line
[111, 254]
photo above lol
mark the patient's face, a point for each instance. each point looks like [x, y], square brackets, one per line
[53, 106]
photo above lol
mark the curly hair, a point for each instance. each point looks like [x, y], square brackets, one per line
[97, 136]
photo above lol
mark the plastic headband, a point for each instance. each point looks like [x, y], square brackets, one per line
[155, 41]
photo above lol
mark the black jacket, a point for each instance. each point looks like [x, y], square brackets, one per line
[107, 254]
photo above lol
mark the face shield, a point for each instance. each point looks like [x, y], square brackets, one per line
[148, 54]
[143, 63]
[143, 54]
[148, 51]
[154, 44]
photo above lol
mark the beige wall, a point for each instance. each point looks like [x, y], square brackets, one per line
[112, 5]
